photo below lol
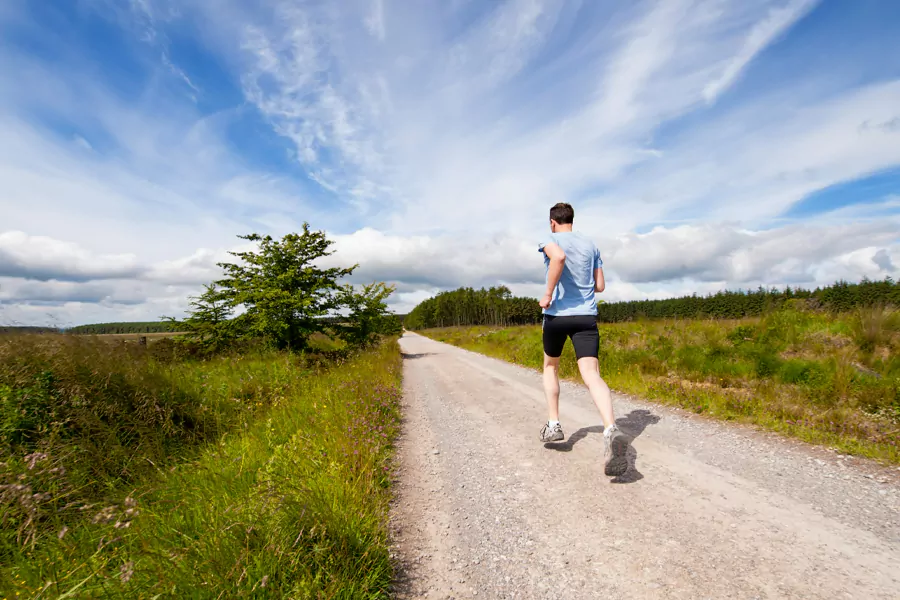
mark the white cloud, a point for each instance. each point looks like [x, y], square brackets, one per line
[663, 262]
[180, 74]
[44, 258]
[778, 20]
[792, 254]
[436, 140]
[375, 20]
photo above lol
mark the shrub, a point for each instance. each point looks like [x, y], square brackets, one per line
[874, 326]
[803, 372]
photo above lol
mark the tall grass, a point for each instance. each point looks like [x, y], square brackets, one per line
[250, 476]
[823, 378]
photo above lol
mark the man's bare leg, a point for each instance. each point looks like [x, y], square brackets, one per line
[552, 431]
[590, 373]
[551, 386]
[615, 443]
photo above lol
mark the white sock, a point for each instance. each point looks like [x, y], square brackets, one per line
[552, 424]
[607, 431]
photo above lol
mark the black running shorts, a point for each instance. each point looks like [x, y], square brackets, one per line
[581, 328]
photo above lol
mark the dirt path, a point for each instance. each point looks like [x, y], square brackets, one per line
[707, 510]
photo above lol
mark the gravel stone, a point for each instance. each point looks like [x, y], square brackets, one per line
[706, 510]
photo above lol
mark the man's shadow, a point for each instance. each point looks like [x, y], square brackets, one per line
[632, 425]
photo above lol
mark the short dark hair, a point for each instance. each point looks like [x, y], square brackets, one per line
[562, 213]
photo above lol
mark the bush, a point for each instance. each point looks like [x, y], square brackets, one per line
[803, 372]
[874, 326]
[742, 334]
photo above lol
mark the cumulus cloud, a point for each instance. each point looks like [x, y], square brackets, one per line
[714, 255]
[44, 258]
[58, 293]
[791, 254]
[197, 269]
[665, 261]
[441, 261]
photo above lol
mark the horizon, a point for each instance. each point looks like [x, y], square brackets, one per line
[768, 290]
[705, 146]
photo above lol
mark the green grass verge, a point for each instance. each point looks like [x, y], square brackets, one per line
[817, 377]
[286, 496]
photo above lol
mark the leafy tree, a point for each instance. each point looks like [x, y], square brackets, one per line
[466, 306]
[368, 315]
[283, 292]
[210, 321]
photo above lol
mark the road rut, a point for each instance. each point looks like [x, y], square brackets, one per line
[706, 510]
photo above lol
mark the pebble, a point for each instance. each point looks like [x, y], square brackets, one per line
[484, 491]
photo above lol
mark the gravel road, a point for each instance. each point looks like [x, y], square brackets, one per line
[706, 510]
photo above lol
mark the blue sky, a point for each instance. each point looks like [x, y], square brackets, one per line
[704, 144]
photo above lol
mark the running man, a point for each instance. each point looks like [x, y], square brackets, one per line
[574, 273]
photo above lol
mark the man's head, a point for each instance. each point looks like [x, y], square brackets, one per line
[561, 217]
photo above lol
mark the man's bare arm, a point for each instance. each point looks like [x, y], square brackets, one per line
[557, 261]
[599, 281]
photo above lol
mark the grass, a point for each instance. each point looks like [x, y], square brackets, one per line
[825, 379]
[264, 475]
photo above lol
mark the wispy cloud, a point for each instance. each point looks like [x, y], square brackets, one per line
[778, 20]
[180, 74]
[375, 20]
[430, 138]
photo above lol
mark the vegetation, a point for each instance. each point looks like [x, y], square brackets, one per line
[138, 327]
[248, 457]
[284, 299]
[496, 306]
[11, 329]
[262, 475]
[840, 297]
[823, 378]
[209, 323]
[466, 306]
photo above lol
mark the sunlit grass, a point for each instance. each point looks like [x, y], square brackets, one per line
[825, 379]
[277, 487]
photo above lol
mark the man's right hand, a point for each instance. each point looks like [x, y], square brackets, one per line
[546, 301]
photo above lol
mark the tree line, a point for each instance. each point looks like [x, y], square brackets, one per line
[468, 306]
[839, 297]
[135, 327]
[497, 306]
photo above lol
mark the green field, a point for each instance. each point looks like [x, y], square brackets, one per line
[127, 473]
[824, 378]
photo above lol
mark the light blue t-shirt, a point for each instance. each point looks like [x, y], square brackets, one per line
[574, 294]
